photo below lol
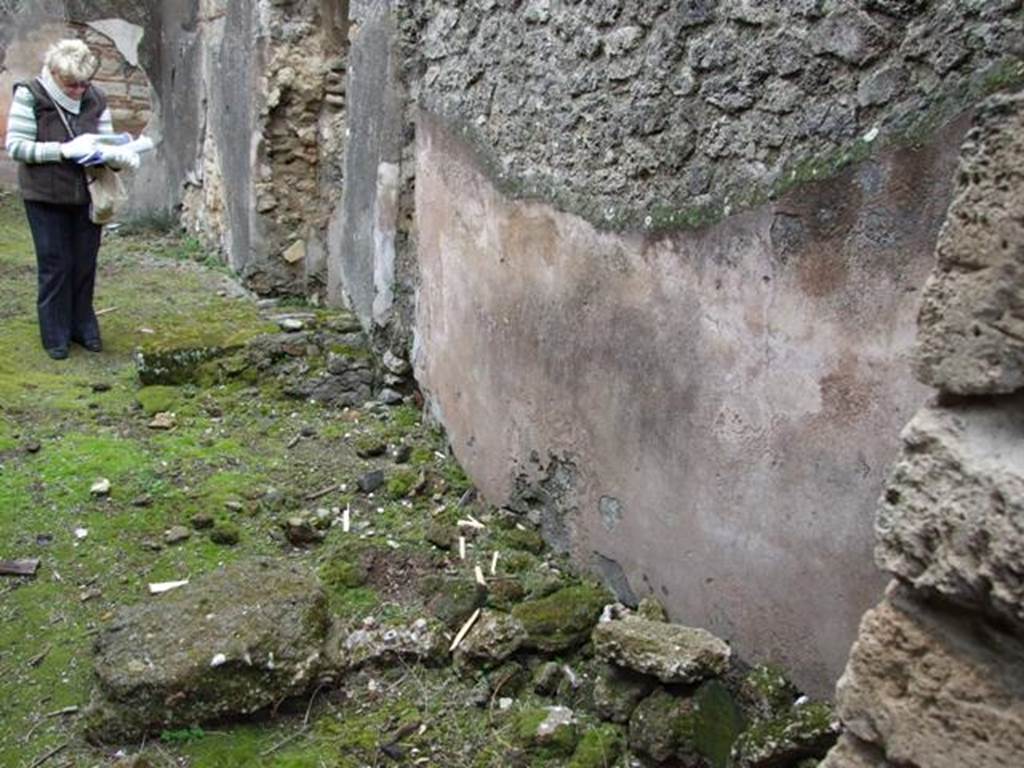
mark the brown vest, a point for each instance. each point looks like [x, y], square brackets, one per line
[62, 182]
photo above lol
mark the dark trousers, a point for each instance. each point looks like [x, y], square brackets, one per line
[66, 246]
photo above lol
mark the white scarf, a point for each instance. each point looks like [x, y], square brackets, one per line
[54, 92]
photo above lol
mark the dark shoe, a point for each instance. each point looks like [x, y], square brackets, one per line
[58, 353]
[93, 345]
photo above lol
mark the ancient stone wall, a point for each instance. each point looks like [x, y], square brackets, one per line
[669, 257]
[270, 161]
[936, 676]
[654, 114]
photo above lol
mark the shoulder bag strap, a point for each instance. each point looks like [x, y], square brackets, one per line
[60, 113]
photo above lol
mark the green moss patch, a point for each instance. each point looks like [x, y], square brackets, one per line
[563, 619]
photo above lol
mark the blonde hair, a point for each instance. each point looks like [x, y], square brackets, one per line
[72, 60]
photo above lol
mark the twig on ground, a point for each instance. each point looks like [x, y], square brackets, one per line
[36, 660]
[43, 758]
[283, 742]
[322, 492]
[65, 711]
[28, 736]
[106, 311]
[309, 707]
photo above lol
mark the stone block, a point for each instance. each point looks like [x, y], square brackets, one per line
[851, 752]
[971, 325]
[952, 516]
[852, 37]
[933, 688]
[669, 652]
[238, 640]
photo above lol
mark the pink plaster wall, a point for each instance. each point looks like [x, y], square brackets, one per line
[738, 389]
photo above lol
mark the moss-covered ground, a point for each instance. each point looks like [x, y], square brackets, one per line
[239, 455]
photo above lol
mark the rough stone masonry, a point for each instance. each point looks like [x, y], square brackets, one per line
[936, 676]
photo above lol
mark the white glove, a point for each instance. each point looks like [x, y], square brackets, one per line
[79, 147]
[115, 157]
[118, 158]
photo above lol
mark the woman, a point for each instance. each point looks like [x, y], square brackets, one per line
[46, 130]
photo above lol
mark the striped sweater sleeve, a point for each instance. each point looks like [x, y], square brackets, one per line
[106, 123]
[21, 142]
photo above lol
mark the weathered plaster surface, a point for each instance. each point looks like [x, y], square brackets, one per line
[124, 35]
[728, 399]
[361, 248]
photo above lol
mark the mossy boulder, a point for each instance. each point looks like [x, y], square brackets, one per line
[225, 533]
[401, 483]
[525, 539]
[176, 357]
[546, 678]
[670, 652]
[504, 593]
[539, 581]
[650, 609]
[662, 725]
[441, 534]
[507, 680]
[339, 573]
[421, 641]
[765, 692]
[717, 722]
[369, 446]
[547, 732]
[617, 691]
[452, 600]
[600, 747]
[805, 731]
[563, 619]
[158, 398]
[494, 637]
[231, 643]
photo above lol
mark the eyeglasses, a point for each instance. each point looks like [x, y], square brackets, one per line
[74, 85]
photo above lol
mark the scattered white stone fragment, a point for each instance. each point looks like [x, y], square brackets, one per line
[159, 587]
[101, 487]
[290, 324]
[494, 562]
[81, 533]
[480, 576]
[218, 660]
[462, 547]
[504, 703]
[871, 135]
